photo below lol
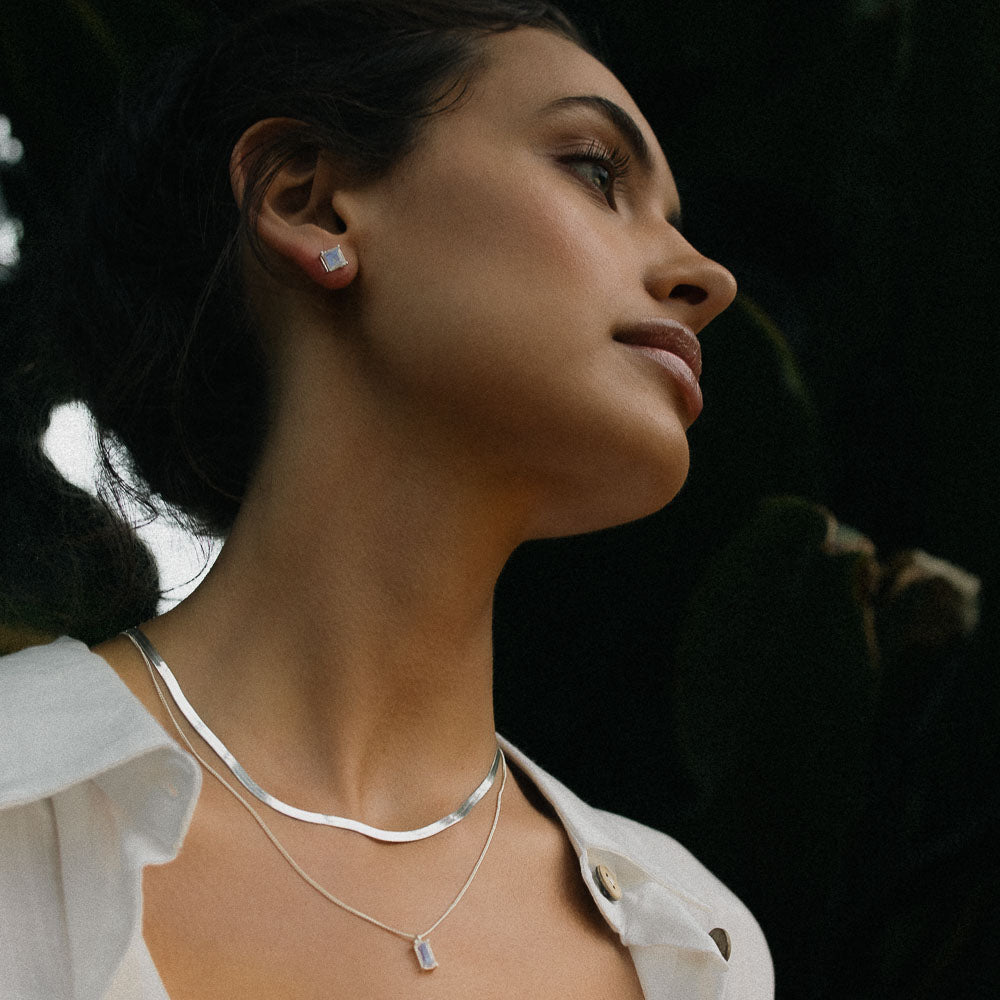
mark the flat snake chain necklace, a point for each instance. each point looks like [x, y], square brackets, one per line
[150, 654]
[421, 946]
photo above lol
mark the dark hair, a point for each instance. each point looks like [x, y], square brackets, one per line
[160, 342]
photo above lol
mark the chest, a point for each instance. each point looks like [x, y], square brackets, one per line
[230, 918]
[471, 968]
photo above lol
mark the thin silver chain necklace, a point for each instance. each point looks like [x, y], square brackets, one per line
[154, 660]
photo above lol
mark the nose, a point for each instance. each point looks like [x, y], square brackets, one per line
[698, 287]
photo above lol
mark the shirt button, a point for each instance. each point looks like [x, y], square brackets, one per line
[721, 937]
[607, 882]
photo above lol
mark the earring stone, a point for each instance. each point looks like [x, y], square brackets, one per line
[333, 259]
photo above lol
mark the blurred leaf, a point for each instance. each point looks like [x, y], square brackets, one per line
[776, 690]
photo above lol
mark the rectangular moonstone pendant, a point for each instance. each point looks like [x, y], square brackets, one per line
[425, 956]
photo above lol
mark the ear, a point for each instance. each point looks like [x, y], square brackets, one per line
[298, 218]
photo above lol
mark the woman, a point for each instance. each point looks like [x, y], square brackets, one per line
[394, 288]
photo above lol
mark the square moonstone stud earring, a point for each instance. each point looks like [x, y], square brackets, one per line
[332, 259]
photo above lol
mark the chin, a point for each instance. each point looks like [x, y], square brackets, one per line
[626, 494]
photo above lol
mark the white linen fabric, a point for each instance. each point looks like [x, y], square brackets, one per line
[92, 789]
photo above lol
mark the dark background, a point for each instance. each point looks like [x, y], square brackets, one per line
[841, 159]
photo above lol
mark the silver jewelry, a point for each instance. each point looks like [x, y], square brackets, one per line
[333, 259]
[150, 654]
[421, 946]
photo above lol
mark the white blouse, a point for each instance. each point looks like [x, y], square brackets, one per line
[92, 789]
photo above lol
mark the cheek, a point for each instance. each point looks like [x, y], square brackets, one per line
[484, 262]
[501, 228]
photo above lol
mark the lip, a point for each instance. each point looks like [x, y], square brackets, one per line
[674, 347]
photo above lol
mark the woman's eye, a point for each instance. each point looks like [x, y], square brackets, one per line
[600, 168]
[596, 174]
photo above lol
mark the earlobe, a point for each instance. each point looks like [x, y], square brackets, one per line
[295, 220]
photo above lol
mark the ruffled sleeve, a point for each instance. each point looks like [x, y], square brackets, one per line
[91, 790]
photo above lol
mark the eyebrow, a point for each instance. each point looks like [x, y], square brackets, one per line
[623, 123]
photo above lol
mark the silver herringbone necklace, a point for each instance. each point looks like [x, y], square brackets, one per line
[153, 658]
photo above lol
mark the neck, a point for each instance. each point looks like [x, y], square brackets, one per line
[342, 644]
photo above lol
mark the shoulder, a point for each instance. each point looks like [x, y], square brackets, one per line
[670, 901]
[661, 855]
[45, 691]
[91, 790]
[74, 735]
[65, 717]
[674, 865]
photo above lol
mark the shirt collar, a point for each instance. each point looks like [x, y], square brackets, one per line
[655, 908]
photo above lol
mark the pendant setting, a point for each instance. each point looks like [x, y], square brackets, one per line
[425, 954]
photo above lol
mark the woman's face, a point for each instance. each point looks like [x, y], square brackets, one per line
[517, 273]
